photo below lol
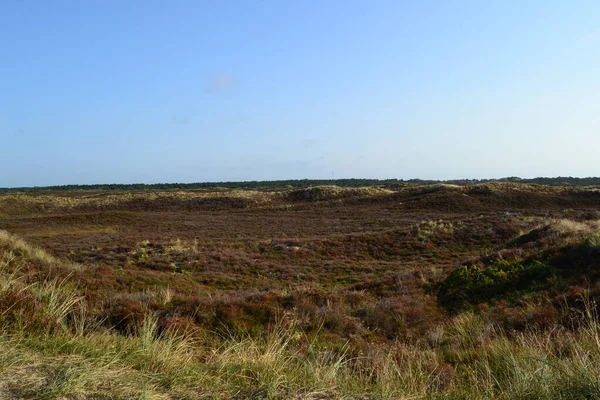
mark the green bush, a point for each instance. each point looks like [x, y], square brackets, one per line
[470, 284]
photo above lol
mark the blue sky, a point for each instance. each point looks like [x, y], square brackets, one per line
[117, 91]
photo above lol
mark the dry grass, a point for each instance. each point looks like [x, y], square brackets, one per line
[567, 227]
[24, 204]
[33, 252]
[278, 365]
[322, 193]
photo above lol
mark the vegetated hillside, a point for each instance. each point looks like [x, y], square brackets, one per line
[441, 197]
[303, 183]
[554, 263]
[440, 291]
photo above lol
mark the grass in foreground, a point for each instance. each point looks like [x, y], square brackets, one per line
[469, 365]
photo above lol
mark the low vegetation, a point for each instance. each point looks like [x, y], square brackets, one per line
[321, 293]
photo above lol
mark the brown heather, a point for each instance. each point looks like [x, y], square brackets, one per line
[413, 292]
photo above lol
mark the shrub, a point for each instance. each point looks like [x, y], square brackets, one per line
[473, 284]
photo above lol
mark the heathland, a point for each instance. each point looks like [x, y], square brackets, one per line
[397, 290]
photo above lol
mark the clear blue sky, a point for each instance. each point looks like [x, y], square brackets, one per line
[118, 91]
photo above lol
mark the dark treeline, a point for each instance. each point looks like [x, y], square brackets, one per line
[300, 183]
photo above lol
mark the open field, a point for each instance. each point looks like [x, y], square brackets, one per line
[391, 292]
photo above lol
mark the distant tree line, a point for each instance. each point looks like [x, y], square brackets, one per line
[301, 183]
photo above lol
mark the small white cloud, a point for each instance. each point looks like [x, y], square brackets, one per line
[221, 83]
